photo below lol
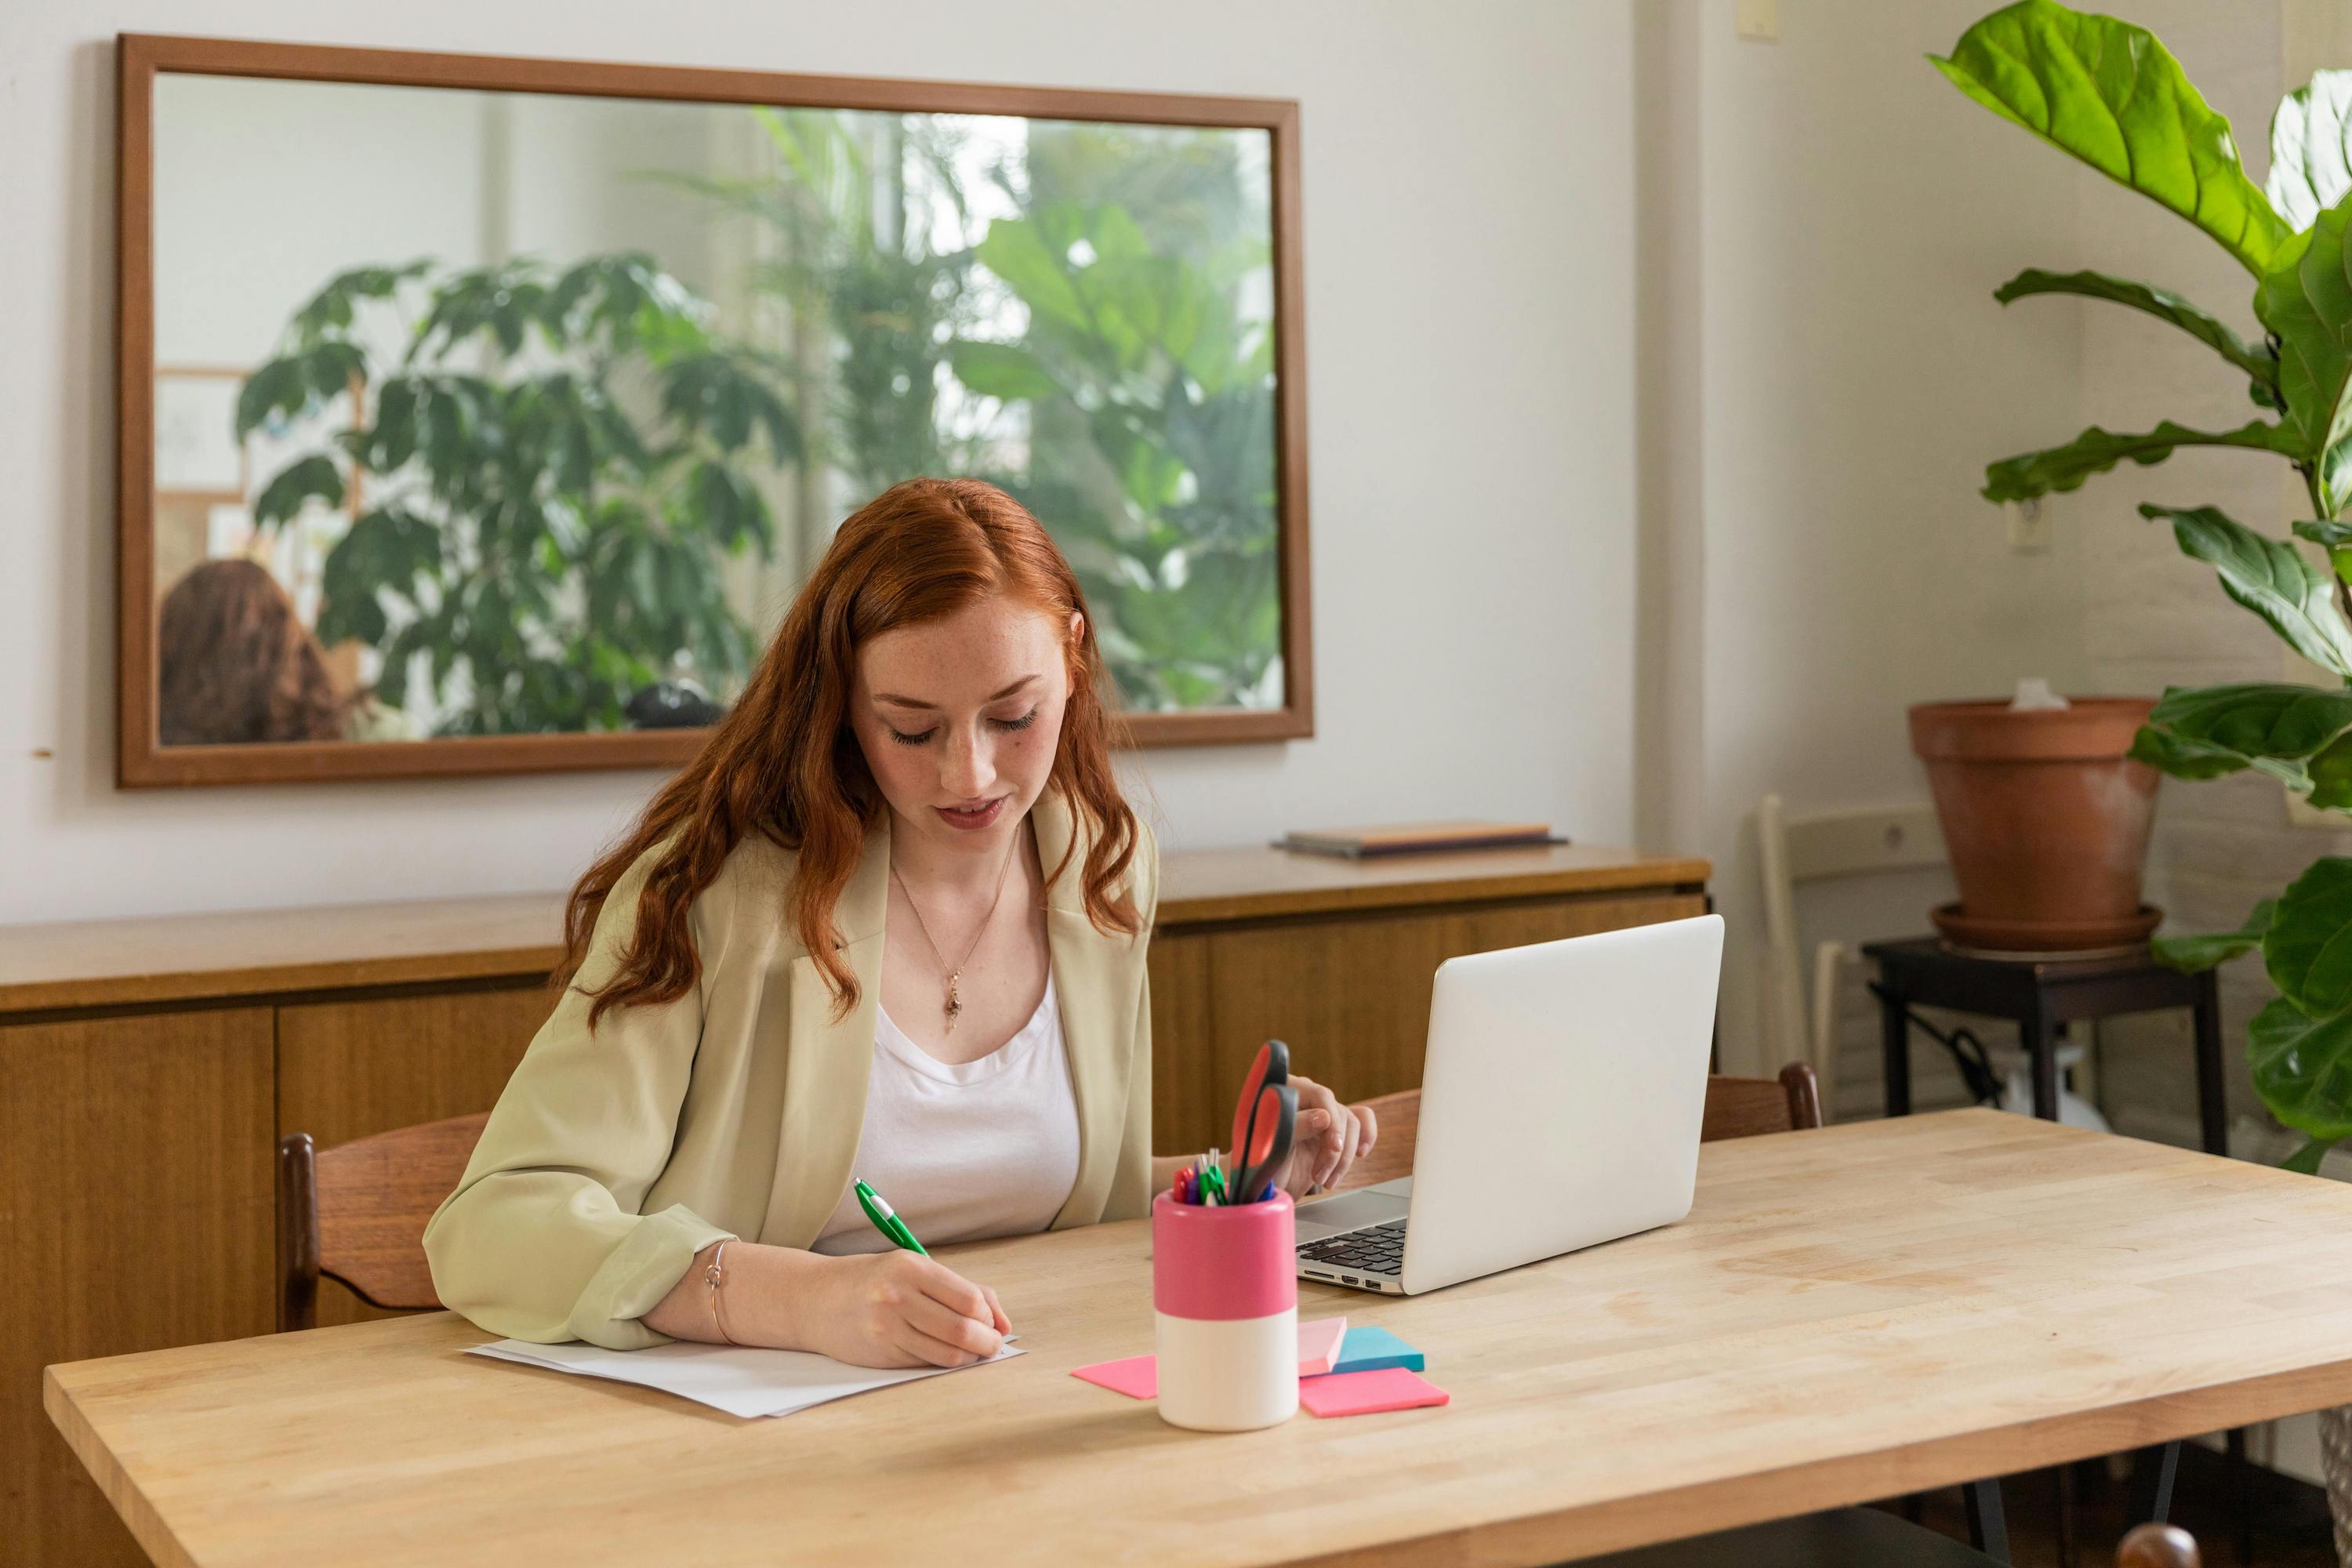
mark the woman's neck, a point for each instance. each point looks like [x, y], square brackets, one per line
[954, 871]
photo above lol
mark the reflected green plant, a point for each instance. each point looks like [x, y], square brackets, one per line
[553, 466]
[1149, 405]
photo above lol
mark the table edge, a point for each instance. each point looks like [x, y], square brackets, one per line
[1758, 1497]
[130, 1505]
[1620, 1523]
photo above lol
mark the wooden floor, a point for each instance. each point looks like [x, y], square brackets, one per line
[2290, 1527]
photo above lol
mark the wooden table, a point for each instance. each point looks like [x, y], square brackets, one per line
[1847, 1314]
[184, 1046]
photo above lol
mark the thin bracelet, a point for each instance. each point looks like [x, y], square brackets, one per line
[714, 1275]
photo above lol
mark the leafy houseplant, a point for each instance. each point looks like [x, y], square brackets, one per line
[1149, 396]
[555, 463]
[2111, 95]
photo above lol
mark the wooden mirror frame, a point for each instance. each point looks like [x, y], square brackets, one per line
[141, 761]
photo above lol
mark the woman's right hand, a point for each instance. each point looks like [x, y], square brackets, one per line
[899, 1308]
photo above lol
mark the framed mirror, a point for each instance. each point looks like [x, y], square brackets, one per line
[484, 415]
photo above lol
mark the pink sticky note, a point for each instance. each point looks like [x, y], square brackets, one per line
[1138, 1376]
[1369, 1392]
[1318, 1345]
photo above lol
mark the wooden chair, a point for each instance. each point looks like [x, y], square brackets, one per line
[356, 1213]
[1735, 1108]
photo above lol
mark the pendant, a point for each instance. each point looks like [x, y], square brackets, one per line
[953, 1006]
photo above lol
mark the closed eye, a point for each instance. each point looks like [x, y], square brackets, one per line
[1007, 724]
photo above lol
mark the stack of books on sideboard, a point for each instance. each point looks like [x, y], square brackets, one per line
[1417, 838]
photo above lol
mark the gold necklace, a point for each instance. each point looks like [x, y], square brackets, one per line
[954, 1005]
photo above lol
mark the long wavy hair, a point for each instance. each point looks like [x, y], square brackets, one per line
[784, 763]
[236, 664]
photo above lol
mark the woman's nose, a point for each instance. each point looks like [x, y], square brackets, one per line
[968, 769]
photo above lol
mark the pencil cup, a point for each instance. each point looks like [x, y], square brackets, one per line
[1224, 1293]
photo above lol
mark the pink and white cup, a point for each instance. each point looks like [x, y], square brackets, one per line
[1224, 1293]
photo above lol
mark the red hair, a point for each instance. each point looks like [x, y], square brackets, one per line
[783, 761]
[236, 663]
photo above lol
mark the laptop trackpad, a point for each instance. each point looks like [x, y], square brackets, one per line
[1353, 1210]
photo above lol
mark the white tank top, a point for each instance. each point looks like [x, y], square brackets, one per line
[980, 1149]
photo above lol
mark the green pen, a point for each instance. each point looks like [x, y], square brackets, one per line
[885, 1219]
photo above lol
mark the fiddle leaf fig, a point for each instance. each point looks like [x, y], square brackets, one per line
[2305, 301]
[2257, 362]
[2311, 148]
[2270, 577]
[2109, 94]
[2095, 451]
[2192, 954]
[2308, 948]
[2171, 755]
[2113, 97]
[2257, 720]
[2303, 1069]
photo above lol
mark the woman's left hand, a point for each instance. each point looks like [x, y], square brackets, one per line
[1327, 1138]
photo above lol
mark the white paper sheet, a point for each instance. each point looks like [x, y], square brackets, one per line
[734, 1378]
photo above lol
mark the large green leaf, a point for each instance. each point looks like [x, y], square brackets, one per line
[2270, 577]
[2191, 955]
[2305, 301]
[2256, 361]
[2167, 753]
[2308, 949]
[2113, 96]
[2311, 155]
[2331, 775]
[2303, 1070]
[2095, 451]
[1005, 371]
[2255, 719]
[2306, 1159]
[314, 477]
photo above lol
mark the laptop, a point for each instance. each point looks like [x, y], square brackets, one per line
[1560, 1102]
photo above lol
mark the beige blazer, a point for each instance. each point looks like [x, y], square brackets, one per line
[734, 1110]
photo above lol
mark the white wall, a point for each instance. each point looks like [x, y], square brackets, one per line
[1854, 376]
[1469, 211]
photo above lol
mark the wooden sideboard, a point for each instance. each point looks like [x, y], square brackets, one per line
[147, 1068]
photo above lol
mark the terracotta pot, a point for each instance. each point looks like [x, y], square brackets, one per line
[2046, 819]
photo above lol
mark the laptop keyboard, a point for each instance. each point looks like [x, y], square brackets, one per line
[1375, 1249]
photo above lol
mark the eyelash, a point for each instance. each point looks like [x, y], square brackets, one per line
[1021, 723]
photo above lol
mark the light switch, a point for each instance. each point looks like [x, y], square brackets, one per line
[1759, 20]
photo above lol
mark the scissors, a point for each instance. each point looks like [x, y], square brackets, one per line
[1271, 1122]
[1272, 1064]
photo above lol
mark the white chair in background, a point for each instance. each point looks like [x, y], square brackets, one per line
[1802, 1020]
[1871, 840]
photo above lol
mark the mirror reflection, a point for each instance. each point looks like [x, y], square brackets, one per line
[484, 414]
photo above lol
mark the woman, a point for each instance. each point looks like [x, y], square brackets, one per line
[888, 924]
[236, 664]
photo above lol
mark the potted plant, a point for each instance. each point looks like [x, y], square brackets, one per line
[2111, 95]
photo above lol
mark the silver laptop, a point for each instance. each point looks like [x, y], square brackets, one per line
[1561, 1102]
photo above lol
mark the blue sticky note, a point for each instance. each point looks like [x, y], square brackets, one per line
[1368, 1349]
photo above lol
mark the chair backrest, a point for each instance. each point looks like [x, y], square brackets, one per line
[1735, 1108]
[1744, 1106]
[357, 1212]
[1789, 850]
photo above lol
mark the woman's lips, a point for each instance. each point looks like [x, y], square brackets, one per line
[971, 821]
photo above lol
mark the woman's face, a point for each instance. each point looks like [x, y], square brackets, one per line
[959, 719]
